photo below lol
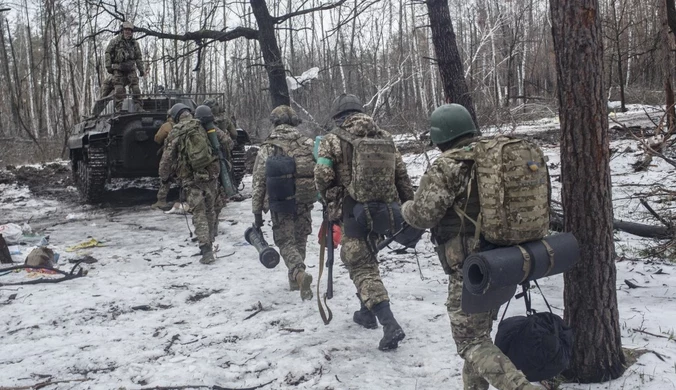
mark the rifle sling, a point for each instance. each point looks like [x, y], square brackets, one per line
[322, 250]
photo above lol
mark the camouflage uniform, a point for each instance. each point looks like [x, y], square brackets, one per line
[201, 193]
[160, 137]
[226, 125]
[332, 175]
[221, 198]
[290, 231]
[123, 58]
[443, 186]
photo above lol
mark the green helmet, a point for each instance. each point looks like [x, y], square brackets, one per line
[176, 110]
[449, 122]
[284, 115]
[345, 103]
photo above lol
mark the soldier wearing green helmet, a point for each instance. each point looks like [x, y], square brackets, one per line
[449, 183]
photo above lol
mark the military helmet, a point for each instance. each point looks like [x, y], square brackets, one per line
[203, 113]
[284, 115]
[449, 122]
[176, 110]
[213, 104]
[345, 103]
[128, 25]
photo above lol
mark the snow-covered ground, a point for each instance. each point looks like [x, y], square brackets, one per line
[149, 315]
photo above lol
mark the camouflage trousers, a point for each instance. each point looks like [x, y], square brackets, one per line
[117, 82]
[290, 232]
[163, 191]
[219, 204]
[201, 199]
[362, 265]
[484, 362]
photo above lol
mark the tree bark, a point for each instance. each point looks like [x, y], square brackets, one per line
[589, 288]
[279, 92]
[451, 68]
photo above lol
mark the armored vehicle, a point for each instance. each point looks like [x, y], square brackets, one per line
[119, 142]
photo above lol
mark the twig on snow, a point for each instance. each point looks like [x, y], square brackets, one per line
[258, 310]
[653, 334]
[631, 284]
[43, 384]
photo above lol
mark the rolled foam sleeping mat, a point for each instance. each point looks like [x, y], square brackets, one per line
[502, 267]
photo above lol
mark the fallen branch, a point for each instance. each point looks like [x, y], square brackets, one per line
[654, 213]
[648, 333]
[258, 310]
[43, 384]
[174, 338]
[631, 284]
[66, 275]
[637, 229]
[214, 387]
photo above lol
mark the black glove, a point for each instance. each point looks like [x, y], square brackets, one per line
[141, 73]
[258, 220]
[110, 70]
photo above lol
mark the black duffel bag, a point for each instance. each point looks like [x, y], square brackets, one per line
[539, 344]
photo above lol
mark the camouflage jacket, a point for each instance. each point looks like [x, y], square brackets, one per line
[444, 184]
[123, 51]
[170, 158]
[291, 139]
[333, 171]
[226, 125]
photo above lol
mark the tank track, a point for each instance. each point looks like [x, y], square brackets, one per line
[238, 168]
[91, 175]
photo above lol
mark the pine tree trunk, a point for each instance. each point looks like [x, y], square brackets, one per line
[451, 68]
[589, 290]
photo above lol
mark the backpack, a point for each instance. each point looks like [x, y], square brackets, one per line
[514, 189]
[290, 175]
[194, 149]
[372, 165]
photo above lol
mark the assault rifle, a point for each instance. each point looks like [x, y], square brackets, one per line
[224, 178]
[409, 239]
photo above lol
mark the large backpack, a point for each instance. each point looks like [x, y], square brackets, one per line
[194, 149]
[289, 175]
[514, 189]
[372, 164]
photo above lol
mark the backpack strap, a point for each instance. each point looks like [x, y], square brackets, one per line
[462, 213]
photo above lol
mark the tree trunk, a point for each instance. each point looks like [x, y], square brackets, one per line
[279, 91]
[451, 68]
[668, 43]
[589, 288]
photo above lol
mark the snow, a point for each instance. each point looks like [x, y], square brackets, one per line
[148, 314]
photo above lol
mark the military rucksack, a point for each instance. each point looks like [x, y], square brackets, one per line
[299, 154]
[514, 189]
[194, 149]
[372, 164]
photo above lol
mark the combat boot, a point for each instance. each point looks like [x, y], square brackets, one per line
[304, 280]
[293, 285]
[364, 316]
[207, 254]
[161, 205]
[392, 332]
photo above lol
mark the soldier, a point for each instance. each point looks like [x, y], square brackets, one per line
[189, 154]
[290, 212]
[204, 114]
[123, 57]
[220, 119]
[444, 186]
[160, 138]
[334, 177]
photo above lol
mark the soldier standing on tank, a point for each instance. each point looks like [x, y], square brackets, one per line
[200, 187]
[332, 177]
[444, 186]
[123, 58]
[160, 138]
[290, 227]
